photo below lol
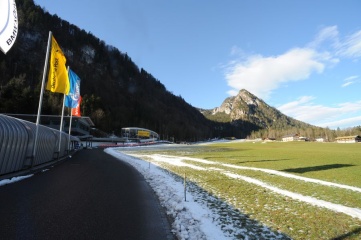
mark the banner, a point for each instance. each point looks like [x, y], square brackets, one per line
[143, 133]
[76, 111]
[58, 80]
[72, 99]
[8, 24]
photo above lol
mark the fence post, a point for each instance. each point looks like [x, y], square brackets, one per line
[185, 187]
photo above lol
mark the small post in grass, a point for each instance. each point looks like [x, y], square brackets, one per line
[185, 187]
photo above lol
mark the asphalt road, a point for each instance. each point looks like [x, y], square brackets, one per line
[89, 196]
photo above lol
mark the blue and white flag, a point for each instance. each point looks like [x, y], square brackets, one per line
[72, 99]
[8, 24]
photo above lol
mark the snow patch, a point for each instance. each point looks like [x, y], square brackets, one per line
[14, 179]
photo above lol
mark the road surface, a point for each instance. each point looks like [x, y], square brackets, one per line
[89, 196]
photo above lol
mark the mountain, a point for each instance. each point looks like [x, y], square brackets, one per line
[246, 107]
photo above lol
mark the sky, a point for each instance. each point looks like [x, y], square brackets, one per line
[302, 57]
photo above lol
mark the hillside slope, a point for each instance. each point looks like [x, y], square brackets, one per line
[247, 107]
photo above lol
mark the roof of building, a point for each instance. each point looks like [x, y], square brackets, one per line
[348, 137]
[290, 135]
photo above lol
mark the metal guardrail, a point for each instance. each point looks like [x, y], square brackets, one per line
[17, 139]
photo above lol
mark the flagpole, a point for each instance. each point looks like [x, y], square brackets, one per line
[62, 120]
[71, 120]
[61, 123]
[41, 96]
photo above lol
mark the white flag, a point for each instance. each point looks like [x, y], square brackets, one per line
[8, 24]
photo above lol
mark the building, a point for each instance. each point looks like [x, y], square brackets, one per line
[290, 138]
[348, 139]
[269, 139]
[294, 137]
[139, 134]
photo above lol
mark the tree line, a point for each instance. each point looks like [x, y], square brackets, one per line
[311, 133]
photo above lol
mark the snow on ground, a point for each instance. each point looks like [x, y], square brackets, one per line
[14, 179]
[178, 161]
[193, 219]
[305, 179]
[353, 212]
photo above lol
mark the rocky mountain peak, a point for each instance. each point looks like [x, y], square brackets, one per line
[247, 97]
[247, 107]
[243, 98]
[226, 107]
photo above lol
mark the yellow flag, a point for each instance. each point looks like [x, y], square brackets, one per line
[58, 80]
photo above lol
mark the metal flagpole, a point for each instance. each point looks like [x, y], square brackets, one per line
[71, 120]
[62, 119]
[61, 123]
[41, 96]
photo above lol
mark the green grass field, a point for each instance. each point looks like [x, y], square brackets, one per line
[331, 162]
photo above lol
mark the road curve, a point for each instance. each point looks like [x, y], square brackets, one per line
[89, 196]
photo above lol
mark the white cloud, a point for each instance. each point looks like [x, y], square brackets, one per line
[349, 81]
[305, 110]
[290, 107]
[350, 78]
[353, 121]
[350, 106]
[235, 50]
[326, 34]
[347, 84]
[260, 75]
[351, 46]
[233, 92]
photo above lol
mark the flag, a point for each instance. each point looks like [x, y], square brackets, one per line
[76, 111]
[58, 80]
[72, 99]
[8, 24]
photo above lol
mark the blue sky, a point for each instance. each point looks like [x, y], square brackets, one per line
[302, 57]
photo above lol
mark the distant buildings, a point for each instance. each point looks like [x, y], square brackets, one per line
[290, 138]
[293, 137]
[345, 139]
[349, 139]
